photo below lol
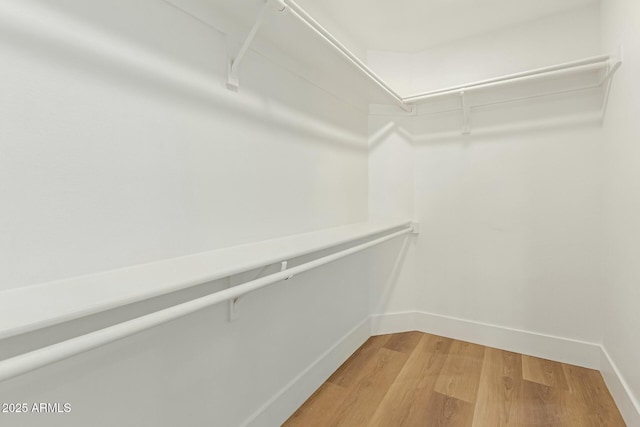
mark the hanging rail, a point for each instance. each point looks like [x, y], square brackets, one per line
[32, 360]
[587, 64]
[609, 63]
[407, 103]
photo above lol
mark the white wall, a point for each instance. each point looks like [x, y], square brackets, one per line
[511, 216]
[511, 230]
[201, 370]
[531, 222]
[119, 144]
[621, 21]
[117, 151]
[547, 41]
[391, 195]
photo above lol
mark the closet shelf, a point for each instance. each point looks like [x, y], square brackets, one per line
[609, 62]
[562, 79]
[35, 359]
[570, 81]
[292, 8]
[34, 307]
[604, 64]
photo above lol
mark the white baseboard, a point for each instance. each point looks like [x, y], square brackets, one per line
[285, 402]
[627, 404]
[551, 347]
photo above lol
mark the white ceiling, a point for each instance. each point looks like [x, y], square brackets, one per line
[414, 25]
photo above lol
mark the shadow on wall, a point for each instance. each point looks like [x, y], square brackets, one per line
[496, 113]
[128, 68]
[431, 135]
[386, 275]
[509, 215]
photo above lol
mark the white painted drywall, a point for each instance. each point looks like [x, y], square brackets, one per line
[621, 21]
[511, 215]
[119, 144]
[201, 369]
[574, 34]
[511, 230]
[412, 25]
[391, 195]
[118, 150]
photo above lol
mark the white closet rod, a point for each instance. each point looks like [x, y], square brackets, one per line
[586, 64]
[308, 20]
[30, 361]
[406, 103]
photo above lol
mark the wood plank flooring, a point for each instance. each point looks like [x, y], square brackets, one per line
[414, 379]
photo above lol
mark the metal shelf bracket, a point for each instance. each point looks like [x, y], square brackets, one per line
[233, 303]
[466, 112]
[415, 228]
[233, 76]
[614, 63]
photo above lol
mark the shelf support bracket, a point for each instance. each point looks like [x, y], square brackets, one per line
[283, 267]
[614, 63]
[415, 228]
[233, 303]
[233, 76]
[466, 110]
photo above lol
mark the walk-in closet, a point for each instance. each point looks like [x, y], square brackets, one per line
[304, 213]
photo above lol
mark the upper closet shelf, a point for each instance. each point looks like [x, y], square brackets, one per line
[580, 75]
[29, 308]
[594, 73]
[290, 7]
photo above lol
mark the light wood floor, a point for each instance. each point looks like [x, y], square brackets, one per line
[416, 379]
